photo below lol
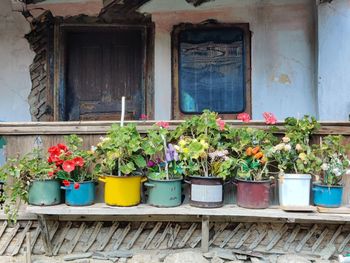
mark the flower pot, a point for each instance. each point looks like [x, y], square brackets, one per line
[253, 194]
[84, 195]
[122, 190]
[47, 192]
[327, 196]
[294, 190]
[206, 192]
[164, 193]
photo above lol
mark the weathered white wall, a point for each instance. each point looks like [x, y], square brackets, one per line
[283, 58]
[15, 58]
[334, 60]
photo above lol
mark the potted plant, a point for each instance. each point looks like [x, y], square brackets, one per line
[163, 172]
[73, 167]
[253, 179]
[119, 164]
[29, 179]
[296, 162]
[204, 158]
[328, 190]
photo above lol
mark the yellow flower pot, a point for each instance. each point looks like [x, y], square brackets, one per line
[122, 190]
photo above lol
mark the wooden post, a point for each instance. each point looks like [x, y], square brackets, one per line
[28, 248]
[45, 235]
[205, 234]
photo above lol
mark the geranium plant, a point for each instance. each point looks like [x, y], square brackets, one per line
[201, 146]
[18, 173]
[249, 147]
[294, 154]
[335, 161]
[120, 152]
[162, 157]
[72, 163]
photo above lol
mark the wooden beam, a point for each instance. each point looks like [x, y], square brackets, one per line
[205, 234]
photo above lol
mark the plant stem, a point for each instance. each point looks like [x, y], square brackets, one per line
[166, 162]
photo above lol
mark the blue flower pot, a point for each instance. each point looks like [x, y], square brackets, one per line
[83, 196]
[327, 196]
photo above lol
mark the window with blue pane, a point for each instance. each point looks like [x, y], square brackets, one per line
[212, 70]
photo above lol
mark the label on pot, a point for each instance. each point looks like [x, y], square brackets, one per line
[206, 193]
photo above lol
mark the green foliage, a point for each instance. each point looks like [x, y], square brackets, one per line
[333, 153]
[120, 152]
[300, 130]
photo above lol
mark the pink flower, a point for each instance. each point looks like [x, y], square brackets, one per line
[221, 124]
[163, 124]
[79, 161]
[245, 117]
[269, 118]
[68, 166]
[144, 117]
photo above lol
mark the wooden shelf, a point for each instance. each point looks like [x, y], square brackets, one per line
[101, 209]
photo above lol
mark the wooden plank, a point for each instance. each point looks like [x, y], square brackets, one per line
[279, 234]
[3, 228]
[35, 238]
[21, 238]
[225, 211]
[198, 239]
[245, 236]
[339, 210]
[45, 235]
[76, 238]
[291, 238]
[336, 234]
[9, 239]
[259, 238]
[174, 232]
[164, 234]
[97, 228]
[319, 240]
[187, 236]
[108, 236]
[309, 208]
[218, 232]
[151, 235]
[306, 238]
[136, 235]
[205, 234]
[121, 238]
[231, 234]
[344, 243]
[61, 238]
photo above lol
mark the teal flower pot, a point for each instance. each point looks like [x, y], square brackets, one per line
[327, 196]
[84, 195]
[164, 193]
[44, 193]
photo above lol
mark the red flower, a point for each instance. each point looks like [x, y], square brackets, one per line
[221, 124]
[79, 161]
[269, 118]
[76, 186]
[68, 166]
[245, 117]
[59, 162]
[163, 124]
[68, 154]
[66, 183]
[54, 151]
[51, 173]
[144, 117]
[62, 147]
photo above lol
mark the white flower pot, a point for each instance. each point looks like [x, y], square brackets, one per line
[294, 189]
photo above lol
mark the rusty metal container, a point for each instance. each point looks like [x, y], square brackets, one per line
[253, 194]
[206, 192]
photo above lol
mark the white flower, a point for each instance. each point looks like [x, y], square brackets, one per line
[287, 147]
[279, 147]
[286, 139]
[325, 166]
[337, 172]
[298, 147]
[93, 148]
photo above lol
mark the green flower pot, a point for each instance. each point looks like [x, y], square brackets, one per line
[44, 193]
[164, 193]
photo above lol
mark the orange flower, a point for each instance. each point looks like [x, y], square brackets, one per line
[248, 152]
[256, 150]
[259, 155]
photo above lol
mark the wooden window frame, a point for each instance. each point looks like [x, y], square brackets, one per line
[60, 57]
[176, 112]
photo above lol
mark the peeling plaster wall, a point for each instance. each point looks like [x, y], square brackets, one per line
[15, 58]
[334, 59]
[283, 43]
